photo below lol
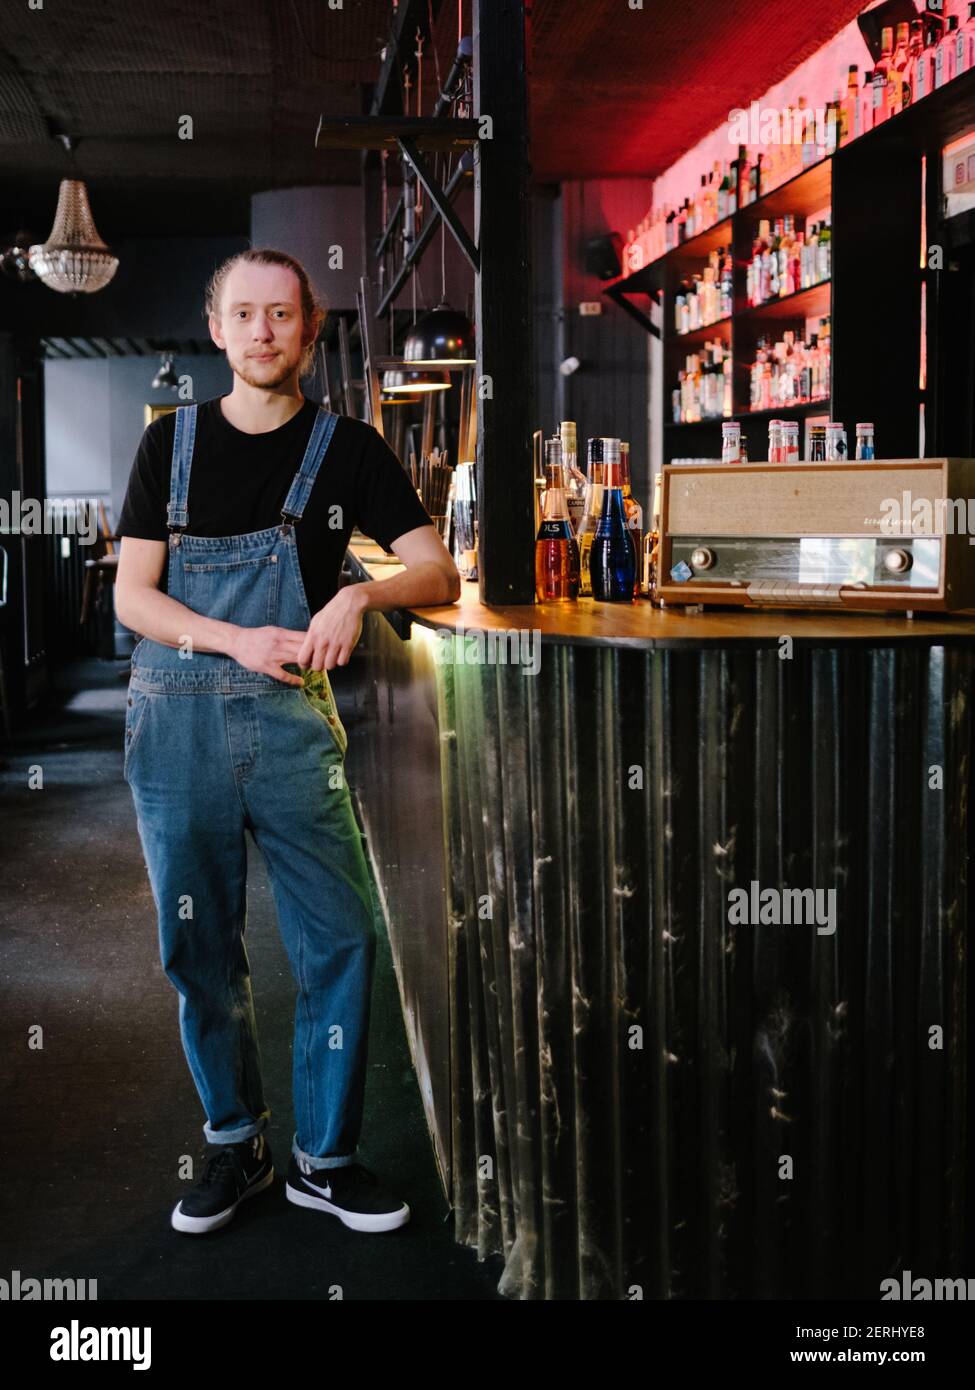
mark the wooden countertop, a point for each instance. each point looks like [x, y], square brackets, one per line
[640, 624]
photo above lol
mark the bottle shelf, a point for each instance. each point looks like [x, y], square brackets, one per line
[810, 303]
[783, 412]
[874, 187]
[714, 424]
[806, 192]
[721, 328]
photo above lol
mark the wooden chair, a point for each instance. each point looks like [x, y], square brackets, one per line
[103, 565]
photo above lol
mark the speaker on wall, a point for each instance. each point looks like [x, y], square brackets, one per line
[603, 256]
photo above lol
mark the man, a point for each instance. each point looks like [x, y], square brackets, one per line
[249, 501]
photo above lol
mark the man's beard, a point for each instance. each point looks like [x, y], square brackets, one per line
[281, 369]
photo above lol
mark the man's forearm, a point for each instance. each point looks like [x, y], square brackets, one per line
[424, 585]
[163, 619]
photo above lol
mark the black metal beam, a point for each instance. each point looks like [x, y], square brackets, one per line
[383, 132]
[440, 202]
[422, 238]
[411, 15]
[620, 297]
[503, 307]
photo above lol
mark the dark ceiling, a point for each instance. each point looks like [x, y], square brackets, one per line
[614, 91]
[617, 91]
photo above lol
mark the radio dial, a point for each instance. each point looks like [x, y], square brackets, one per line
[897, 561]
[702, 558]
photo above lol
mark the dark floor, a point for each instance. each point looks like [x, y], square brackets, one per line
[95, 1121]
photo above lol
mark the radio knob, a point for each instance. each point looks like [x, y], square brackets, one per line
[702, 558]
[897, 561]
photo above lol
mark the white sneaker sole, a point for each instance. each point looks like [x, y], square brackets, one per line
[196, 1225]
[355, 1220]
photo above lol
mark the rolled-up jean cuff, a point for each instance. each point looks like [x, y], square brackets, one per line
[334, 1161]
[235, 1136]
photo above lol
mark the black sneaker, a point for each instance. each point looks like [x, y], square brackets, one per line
[233, 1172]
[351, 1193]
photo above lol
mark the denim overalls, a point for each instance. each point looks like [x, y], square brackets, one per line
[212, 749]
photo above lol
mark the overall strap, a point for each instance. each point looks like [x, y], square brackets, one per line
[321, 437]
[179, 482]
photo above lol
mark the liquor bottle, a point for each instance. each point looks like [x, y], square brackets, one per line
[731, 441]
[556, 550]
[772, 287]
[727, 285]
[808, 128]
[809, 254]
[901, 61]
[915, 60]
[865, 447]
[834, 451]
[817, 443]
[825, 333]
[775, 441]
[786, 240]
[939, 61]
[850, 107]
[651, 544]
[612, 559]
[594, 507]
[866, 103]
[944, 57]
[969, 33]
[790, 443]
[961, 47]
[634, 514]
[881, 77]
[832, 132]
[744, 176]
[575, 480]
[824, 259]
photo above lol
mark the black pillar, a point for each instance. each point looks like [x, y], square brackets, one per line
[503, 306]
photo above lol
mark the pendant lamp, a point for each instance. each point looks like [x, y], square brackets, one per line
[442, 338]
[74, 259]
[399, 381]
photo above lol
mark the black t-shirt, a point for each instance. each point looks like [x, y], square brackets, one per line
[239, 483]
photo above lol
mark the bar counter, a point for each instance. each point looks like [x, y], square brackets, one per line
[629, 1095]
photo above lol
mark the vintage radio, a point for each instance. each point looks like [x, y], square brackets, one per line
[892, 534]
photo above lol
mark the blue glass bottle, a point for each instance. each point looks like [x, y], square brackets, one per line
[612, 560]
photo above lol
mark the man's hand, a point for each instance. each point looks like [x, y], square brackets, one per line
[265, 648]
[333, 631]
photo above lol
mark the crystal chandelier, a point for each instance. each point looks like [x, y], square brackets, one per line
[74, 259]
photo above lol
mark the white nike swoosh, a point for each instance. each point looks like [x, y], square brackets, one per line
[325, 1191]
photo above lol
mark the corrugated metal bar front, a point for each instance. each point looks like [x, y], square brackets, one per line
[650, 1097]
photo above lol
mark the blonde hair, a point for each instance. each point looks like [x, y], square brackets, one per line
[313, 308]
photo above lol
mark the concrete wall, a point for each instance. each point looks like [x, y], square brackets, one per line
[94, 419]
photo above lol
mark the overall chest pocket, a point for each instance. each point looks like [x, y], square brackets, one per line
[237, 590]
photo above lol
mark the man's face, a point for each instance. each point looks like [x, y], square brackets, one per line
[260, 326]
